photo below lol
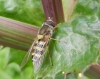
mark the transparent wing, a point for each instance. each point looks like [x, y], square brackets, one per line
[38, 64]
[28, 55]
[39, 60]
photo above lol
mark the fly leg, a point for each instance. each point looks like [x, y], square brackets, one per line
[58, 40]
[56, 27]
[50, 58]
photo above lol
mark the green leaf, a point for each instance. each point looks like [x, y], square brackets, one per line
[4, 75]
[9, 64]
[17, 56]
[4, 56]
[81, 49]
[13, 70]
[29, 11]
[89, 7]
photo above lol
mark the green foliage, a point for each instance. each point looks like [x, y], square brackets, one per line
[11, 69]
[29, 11]
[81, 35]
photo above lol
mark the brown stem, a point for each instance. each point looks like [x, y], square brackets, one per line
[16, 34]
[93, 72]
[53, 9]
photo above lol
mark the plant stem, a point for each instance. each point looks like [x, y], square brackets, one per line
[16, 34]
[93, 72]
[69, 6]
[53, 9]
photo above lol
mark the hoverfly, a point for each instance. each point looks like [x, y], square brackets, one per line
[37, 49]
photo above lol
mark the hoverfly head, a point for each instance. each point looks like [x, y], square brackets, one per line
[50, 22]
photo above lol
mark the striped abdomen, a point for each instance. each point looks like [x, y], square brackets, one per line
[38, 54]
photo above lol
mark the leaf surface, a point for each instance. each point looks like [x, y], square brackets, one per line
[29, 11]
[80, 50]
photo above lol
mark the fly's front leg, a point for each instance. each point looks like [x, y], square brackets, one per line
[58, 40]
[56, 26]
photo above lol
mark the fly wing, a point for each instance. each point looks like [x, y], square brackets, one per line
[39, 57]
[28, 55]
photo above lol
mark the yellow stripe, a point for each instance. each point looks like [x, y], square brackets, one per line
[38, 48]
[40, 36]
[42, 43]
[37, 55]
[33, 54]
